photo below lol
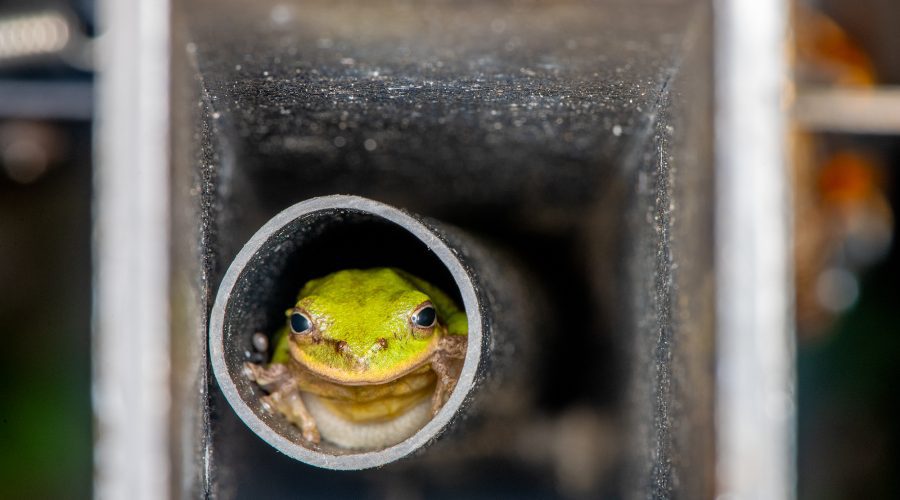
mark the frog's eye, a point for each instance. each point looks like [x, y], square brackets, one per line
[300, 323]
[424, 317]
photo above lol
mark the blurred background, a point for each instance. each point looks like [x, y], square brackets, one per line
[846, 160]
[46, 104]
[846, 156]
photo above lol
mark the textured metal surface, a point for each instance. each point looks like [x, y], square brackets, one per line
[666, 286]
[331, 233]
[528, 106]
[573, 134]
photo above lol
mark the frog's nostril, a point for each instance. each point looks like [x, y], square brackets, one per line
[379, 345]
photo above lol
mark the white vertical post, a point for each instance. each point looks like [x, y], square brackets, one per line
[755, 372]
[131, 252]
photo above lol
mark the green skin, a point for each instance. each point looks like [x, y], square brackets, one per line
[363, 347]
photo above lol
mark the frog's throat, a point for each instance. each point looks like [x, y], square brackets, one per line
[372, 416]
[362, 377]
[366, 435]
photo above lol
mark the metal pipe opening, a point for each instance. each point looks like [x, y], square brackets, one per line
[333, 233]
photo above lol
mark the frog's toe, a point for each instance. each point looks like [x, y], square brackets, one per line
[436, 403]
[267, 404]
[250, 370]
[311, 434]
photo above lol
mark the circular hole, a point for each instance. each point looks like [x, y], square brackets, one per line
[311, 246]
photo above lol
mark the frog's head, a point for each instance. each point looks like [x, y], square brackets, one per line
[363, 326]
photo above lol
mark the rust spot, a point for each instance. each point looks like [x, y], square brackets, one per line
[382, 342]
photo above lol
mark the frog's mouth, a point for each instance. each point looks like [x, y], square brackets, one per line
[360, 371]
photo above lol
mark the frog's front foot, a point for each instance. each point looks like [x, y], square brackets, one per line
[274, 403]
[446, 381]
[283, 396]
[286, 400]
[447, 365]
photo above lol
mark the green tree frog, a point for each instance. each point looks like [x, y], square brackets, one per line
[365, 359]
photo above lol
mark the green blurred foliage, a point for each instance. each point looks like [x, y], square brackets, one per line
[45, 294]
[849, 399]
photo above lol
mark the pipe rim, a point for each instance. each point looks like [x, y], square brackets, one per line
[366, 459]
